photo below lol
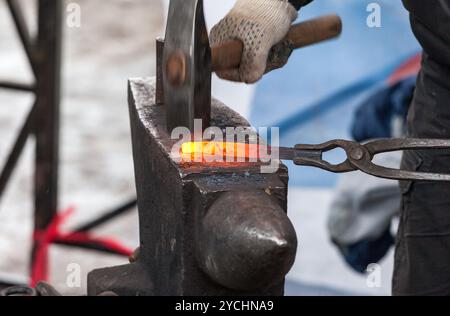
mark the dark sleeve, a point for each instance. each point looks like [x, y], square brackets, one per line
[430, 20]
[299, 3]
[429, 115]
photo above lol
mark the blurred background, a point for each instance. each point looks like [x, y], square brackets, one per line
[313, 99]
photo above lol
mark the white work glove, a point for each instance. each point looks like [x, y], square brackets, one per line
[259, 24]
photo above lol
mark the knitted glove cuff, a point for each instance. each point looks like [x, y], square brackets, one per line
[259, 24]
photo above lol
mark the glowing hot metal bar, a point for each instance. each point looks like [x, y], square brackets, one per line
[221, 149]
[235, 151]
[359, 157]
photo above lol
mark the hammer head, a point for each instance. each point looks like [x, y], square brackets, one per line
[187, 66]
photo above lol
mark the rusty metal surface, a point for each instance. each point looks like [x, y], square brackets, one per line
[186, 40]
[45, 289]
[179, 204]
[43, 52]
[18, 290]
[159, 98]
[47, 113]
[42, 289]
[360, 156]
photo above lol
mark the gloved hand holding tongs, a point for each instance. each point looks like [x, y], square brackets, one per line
[257, 37]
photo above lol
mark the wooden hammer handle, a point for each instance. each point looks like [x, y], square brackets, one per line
[228, 55]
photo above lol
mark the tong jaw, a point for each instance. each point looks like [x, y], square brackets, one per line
[312, 156]
[187, 66]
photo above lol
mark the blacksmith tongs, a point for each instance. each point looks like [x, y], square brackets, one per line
[360, 157]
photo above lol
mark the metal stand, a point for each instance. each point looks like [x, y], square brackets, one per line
[43, 121]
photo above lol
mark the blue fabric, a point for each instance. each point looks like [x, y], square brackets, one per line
[373, 119]
[360, 255]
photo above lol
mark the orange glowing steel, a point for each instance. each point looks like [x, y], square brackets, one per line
[224, 150]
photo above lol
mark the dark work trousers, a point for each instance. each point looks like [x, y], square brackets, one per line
[422, 259]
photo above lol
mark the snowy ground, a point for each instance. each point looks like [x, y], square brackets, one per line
[115, 42]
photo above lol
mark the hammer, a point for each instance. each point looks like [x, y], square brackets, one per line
[187, 61]
[228, 55]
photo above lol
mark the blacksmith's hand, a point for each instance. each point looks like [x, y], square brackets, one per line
[259, 24]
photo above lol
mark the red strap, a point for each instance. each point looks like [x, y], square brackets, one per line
[53, 234]
[410, 68]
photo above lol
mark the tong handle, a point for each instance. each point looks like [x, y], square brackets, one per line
[228, 55]
[396, 144]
